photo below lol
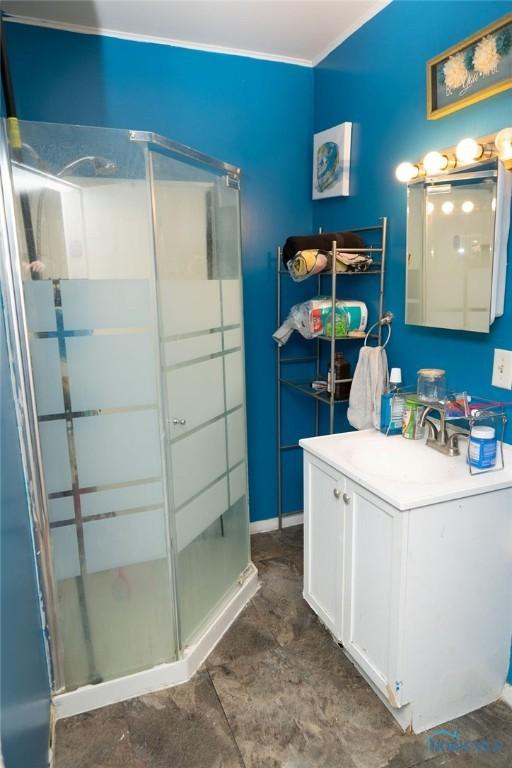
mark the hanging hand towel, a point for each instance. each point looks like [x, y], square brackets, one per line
[369, 382]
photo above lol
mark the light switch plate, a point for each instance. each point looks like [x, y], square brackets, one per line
[502, 369]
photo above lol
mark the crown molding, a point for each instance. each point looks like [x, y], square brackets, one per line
[138, 38]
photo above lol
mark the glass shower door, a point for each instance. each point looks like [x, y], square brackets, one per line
[197, 239]
[91, 315]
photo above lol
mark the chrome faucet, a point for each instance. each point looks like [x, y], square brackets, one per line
[438, 437]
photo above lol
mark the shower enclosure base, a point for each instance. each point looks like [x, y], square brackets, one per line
[164, 675]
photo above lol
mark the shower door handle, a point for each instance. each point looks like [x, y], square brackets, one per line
[179, 421]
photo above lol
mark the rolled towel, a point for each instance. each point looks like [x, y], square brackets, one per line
[322, 242]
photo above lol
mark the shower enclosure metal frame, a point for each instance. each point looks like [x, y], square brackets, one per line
[191, 657]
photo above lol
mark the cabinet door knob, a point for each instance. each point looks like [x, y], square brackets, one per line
[179, 421]
[337, 493]
[346, 498]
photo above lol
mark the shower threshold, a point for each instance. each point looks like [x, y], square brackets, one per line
[91, 697]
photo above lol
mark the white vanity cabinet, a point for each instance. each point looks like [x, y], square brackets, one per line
[408, 562]
[324, 490]
[373, 587]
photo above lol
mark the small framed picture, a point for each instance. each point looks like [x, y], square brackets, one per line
[331, 162]
[474, 69]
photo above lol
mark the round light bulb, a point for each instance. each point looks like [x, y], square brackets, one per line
[503, 142]
[406, 172]
[468, 150]
[447, 207]
[435, 162]
[468, 206]
[430, 208]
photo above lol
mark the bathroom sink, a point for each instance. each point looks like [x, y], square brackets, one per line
[402, 461]
[406, 473]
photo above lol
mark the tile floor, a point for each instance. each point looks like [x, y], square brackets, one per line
[276, 692]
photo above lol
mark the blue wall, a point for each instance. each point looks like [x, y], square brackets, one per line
[25, 693]
[376, 79]
[254, 114]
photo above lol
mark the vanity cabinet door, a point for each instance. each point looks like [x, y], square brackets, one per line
[324, 488]
[374, 588]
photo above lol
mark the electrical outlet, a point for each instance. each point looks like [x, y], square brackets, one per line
[502, 369]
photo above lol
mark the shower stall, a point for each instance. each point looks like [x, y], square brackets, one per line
[126, 290]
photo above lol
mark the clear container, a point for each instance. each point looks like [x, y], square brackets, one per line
[432, 384]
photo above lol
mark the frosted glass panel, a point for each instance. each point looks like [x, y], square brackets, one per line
[207, 567]
[112, 371]
[39, 305]
[238, 483]
[198, 391]
[61, 509]
[198, 266]
[47, 376]
[232, 338]
[196, 517]
[236, 436]
[120, 499]
[189, 306]
[55, 449]
[190, 348]
[66, 562]
[197, 460]
[231, 302]
[234, 379]
[118, 448]
[89, 304]
[117, 542]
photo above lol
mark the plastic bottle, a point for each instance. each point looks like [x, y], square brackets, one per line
[392, 405]
[482, 447]
[341, 371]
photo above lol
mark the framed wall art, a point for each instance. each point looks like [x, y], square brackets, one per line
[331, 161]
[474, 69]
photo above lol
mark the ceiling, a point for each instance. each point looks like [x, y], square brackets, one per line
[300, 31]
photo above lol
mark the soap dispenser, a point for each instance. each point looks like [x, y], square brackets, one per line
[392, 405]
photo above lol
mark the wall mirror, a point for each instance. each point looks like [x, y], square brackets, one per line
[457, 232]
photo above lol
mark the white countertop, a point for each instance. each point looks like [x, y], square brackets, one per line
[405, 473]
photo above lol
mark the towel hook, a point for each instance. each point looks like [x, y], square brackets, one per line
[386, 320]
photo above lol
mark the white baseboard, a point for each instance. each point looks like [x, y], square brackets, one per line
[507, 694]
[164, 675]
[272, 523]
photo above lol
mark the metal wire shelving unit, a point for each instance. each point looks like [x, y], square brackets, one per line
[304, 387]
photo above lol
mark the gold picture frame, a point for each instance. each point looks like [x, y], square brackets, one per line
[443, 100]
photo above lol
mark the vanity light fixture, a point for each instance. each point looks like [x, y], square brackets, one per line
[435, 162]
[468, 151]
[503, 142]
[407, 172]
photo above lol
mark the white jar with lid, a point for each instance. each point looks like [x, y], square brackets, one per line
[482, 447]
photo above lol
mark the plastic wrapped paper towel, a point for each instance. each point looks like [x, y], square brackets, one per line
[314, 317]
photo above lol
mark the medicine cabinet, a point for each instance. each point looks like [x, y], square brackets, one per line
[457, 233]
